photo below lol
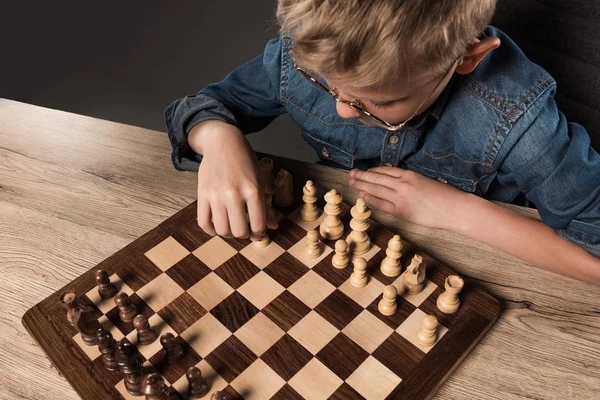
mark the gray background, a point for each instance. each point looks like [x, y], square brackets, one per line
[125, 61]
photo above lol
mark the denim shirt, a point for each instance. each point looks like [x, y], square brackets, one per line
[496, 133]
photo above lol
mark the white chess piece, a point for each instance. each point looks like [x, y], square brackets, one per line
[414, 278]
[427, 335]
[390, 265]
[359, 276]
[332, 228]
[340, 260]
[309, 211]
[387, 305]
[313, 246]
[358, 241]
[448, 302]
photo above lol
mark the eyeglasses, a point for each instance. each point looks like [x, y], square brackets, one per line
[357, 106]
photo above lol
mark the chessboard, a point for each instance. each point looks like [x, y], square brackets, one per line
[268, 322]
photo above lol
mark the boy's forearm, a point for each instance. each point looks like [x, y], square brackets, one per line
[526, 238]
[211, 134]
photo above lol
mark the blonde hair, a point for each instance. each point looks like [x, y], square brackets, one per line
[374, 42]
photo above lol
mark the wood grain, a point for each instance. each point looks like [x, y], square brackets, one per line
[69, 182]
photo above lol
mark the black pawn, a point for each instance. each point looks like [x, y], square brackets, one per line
[87, 324]
[127, 310]
[145, 334]
[130, 365]
[197, 386]
[155, 388]
[107, 346]
[173, 350]
[219, 395]
[106, 289]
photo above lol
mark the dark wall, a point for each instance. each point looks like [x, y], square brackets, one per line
[125, 61]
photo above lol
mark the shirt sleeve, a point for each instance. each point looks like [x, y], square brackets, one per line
[249, 98]
[553, 164]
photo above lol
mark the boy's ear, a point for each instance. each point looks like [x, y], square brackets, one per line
[475, 53]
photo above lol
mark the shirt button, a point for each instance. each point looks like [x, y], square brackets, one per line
[387, 164]
[393, 139]
[442, 180]
[325, 152]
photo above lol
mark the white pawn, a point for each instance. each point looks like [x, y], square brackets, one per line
[387, 305]
[340, 259]
[263, 241]
[427, 335]
[390, 265]
[414, 279]
[359, 276]
[309, 211]
[448, 302]
[313, 246]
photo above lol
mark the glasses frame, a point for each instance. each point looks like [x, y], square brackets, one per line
[357, 106]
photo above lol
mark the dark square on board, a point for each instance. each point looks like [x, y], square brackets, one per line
[286, 269]
[182, 312]
[286, 310]
[172, 372]
[188, 271]
[342, 356]
[237, 270]
[231, 358]
[234, 311]
[286, 357]
[338, 309]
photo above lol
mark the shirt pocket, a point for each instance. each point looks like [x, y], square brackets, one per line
[329, 152]
[465, 184]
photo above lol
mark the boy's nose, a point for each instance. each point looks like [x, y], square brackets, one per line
[345, 111]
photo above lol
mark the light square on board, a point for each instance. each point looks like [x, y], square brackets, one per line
[311, 289]
[315, 381]
[92, 351]
[206, 334]
[105, 305]
[308, 226]
[210, 291]
[414, 299]
[410, 327]
[261, 257]
[258, 381]
[160, 292]
[259, 334]
[167, 253]
[364, 295]
[214, 381]
[261, 289]
[161, 327]
[313, 332]
[373, 380]
[369, 255]
[214, 252]
[367, 331]
[299, 251]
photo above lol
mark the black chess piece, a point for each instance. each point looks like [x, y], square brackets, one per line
[197, 385]
[173, 350]
[69, 301]
[127, 310]
[107, 346]
[145, 334]
[106, 288]
[87, 324]
[130, 365]
[219, 395]
[155, 388]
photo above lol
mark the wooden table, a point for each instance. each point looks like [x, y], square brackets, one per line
[74, 190]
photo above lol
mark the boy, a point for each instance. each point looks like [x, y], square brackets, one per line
[433, 112]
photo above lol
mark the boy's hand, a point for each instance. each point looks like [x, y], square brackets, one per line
[230, 194]
[409, 195]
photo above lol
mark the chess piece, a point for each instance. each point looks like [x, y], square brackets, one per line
[145, 334]
[387, 305]
[359, 276]
[313, 246]
[106, 288]
[107, 347]
[263, 241]
[284, 192]
[332, 227]
[155, 387]
[219, 395]
[340, 260]
[427, 334]
[197, 385]
[448, 302]
[70, 302]
[390, 265]
[130, 365]
[359, 242]
[127, 310]
[414, 279]
[173, 350]
[309, 211]
[87, 324]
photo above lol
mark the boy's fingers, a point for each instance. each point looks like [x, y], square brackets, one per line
[257, 217]
[391, 171]
[238, 222]
[374, 177]
[221, 220]
[204, 218]
[383, 192]
[378, 203]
